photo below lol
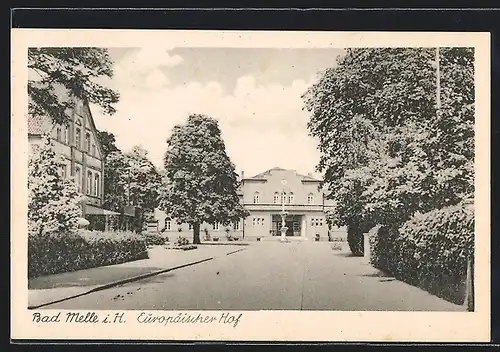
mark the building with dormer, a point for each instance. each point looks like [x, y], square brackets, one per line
[265, 196]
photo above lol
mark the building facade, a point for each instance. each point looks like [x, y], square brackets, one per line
[78, 143]
[266, 196]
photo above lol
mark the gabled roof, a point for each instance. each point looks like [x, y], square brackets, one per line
[38, 125]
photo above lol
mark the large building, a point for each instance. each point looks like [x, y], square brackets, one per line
[78, 143]
[265, 196]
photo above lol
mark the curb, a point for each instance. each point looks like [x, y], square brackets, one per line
[236, 251]
[224, 244]
[123, 281]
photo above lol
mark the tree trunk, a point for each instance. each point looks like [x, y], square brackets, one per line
[196, 234]
[355, 239]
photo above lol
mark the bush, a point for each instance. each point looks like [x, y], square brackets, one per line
[58, 253]
[430, 250]
[182, 241]
[154, 239]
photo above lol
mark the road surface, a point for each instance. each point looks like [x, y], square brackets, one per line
[268, 276]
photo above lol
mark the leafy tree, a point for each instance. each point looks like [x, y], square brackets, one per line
[131, 179]
[115, 181]
[416, 155]
[200, 180]
[53, 202]
[77, 71]
[108, 142]
[144, 183]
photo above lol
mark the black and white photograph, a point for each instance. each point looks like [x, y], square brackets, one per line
[170, 180]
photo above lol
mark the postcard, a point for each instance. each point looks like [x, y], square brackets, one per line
[250, 185]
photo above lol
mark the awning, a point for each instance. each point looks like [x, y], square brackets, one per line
[92, 210]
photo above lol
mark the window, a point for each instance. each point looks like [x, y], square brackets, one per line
[63, 171]
[283, 197]
[215, 226]
[310, 198]
[290, 198]
[276, 199]
[317, 222]
[256, 198]
[296, 227]
[58, 134]
[256, 222]
[94, 150]
[236, 226]
[78, 178]
[78, 136]
[168, 224]
[87, 141]
[89, 182]
[66, 134]
[97, 186]
[190, 227]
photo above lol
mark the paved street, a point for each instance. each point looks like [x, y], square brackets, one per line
[291, 276]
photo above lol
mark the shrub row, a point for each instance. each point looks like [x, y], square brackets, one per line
[58, 253]
[429, 251]
[154, 239]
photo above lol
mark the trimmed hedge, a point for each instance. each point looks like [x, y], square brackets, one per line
[429, 251]
[58, 253]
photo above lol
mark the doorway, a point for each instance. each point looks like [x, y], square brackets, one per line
[292, 222]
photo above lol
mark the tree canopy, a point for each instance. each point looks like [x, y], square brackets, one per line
[75, 70]
[390, 146]
[131, 179]
[200, 182]
[108, 142]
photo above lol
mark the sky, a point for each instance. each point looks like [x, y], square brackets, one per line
[255, 94]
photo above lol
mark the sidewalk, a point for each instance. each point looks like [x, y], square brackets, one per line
[363, 287]
[53, 288]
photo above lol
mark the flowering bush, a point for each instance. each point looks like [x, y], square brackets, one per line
[154, 239]
[53, 202]
[430, 250]
[53, 253]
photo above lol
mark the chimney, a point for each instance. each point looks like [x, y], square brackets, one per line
[242, 175]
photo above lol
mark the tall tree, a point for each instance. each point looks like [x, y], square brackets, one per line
[77, 71]
[131, 179]
[53, 202]
[416, 155]
[115, 181]
[200, 180]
